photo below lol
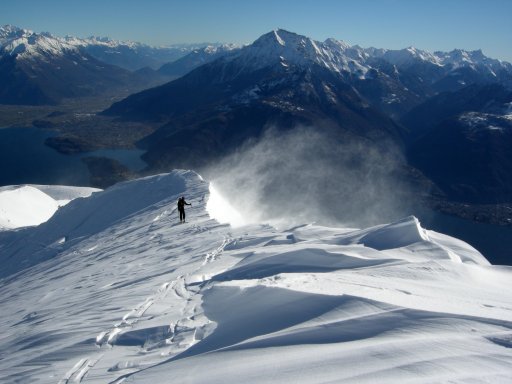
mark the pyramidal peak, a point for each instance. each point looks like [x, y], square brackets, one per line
[283, 48]
[280, 39]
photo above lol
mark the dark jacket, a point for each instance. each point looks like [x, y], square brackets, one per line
[182, 203]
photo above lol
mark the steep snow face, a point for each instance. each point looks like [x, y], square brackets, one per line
[114, 288]
[24, 206]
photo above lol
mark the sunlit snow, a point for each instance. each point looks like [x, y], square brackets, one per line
[220, 209]
[22, 206]
[113, 288]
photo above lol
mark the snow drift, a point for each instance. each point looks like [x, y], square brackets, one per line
[113, 288]
[28, 205]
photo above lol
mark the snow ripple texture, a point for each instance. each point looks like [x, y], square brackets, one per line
[114, 289]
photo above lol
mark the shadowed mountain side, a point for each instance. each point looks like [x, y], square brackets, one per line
[463, 142]
[73, 74]
[216, 108]
[475, 98]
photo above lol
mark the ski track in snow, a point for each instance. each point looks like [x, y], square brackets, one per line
[148, 300]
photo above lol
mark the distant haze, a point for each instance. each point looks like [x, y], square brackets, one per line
[394, 24]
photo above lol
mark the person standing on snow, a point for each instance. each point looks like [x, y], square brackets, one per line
[181, 208]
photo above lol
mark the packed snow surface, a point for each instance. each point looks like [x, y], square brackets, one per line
[114, 289]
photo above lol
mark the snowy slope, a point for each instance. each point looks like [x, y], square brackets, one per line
[27, 205]
[114, 289]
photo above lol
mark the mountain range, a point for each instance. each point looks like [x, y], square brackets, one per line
[194, 59]
[132, 55]
[39, 68]
[376, 95]
[425, 105]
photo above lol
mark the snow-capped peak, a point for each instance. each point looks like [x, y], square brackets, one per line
[24, 43]
[101, 40]
[281, 47]
[278, 38]
[461, 58]
[11, 31]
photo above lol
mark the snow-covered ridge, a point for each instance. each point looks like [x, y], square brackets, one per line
[287, 48]
[114, 288]
[104, 41]
[28, 205]
[134, 45]
[276, 47]
[215, 49]
[23, 43]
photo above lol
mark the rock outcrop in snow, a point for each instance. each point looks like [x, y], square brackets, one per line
[113, 287]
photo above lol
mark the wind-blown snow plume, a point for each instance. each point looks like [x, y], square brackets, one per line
[304, 175]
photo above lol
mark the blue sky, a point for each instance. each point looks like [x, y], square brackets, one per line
[427, 24]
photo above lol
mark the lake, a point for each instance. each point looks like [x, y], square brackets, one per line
[25, 159]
